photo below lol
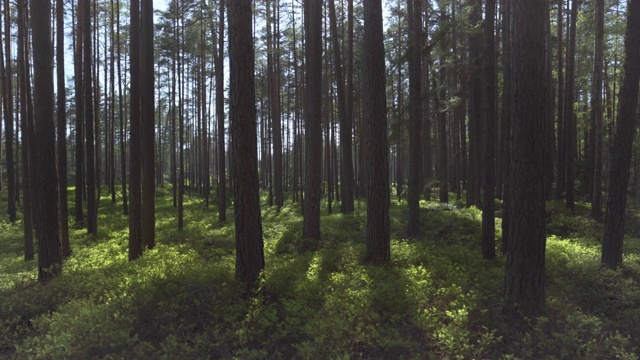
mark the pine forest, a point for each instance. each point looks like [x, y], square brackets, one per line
[319, 179]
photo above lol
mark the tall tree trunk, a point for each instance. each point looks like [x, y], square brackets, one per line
[27, 158]
[415, 109]
[597, 112]
[135, 143]
[346, 154]
[378, 222]
[475, 106]
[550, 138]
[92, 200]
[61, 118]
[569, 113]
[443, 156]
[273, 60]
[147, 125]
[490, 93]
[623, 142]
[123, 120]
[562, 147]
[524, 293]
[313, 123]
[79, 98]
[349, 92]
[48, 230]
[248, 223]
[219, 65]
[7, 91]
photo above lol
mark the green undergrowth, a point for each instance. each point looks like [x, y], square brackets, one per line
[436, 299]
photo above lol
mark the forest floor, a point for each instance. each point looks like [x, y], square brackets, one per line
[437, 299]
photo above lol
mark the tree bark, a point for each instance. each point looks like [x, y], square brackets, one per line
[147, 124]
[219, 66]
[475, 106]
[6, 74]
[25, 122]
[597, 112]
[248, 223]
[92, 200]
[79, 98]
[490, 93]
[415, 109]
[346, 153]
[313, 123]
[135, 161]
[61, 118]
[569, 113]
[562, 159]
[48, 230]
[378, 222]
[524, 292]
[620, 157]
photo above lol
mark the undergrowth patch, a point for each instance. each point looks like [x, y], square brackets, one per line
[436, 299]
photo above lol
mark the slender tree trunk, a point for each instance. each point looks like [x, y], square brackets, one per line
[597, 113]
[61, 119]
[623, 142]
[273, 60]
[135, 174]
[490, 93]
[415, 109]
[147, 125]
[92, 205]
[79, 98]
[443, 156]
[378, 222]
[27, 158]
[123, 120]
[48, 230]
[112, 96]
[219, 64]
[346, 154]
[6, 74]
[569, 115]
[562, 159]
[475, 107]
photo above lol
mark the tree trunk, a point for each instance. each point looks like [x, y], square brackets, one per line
[92, 200]
[27, 158]
[61, 119]
[7, 90]
[147, 124]
[248, 223]
[219, 65]
[48, 231]
[524, 277]
[623, 142]
[597, 113]
[313, 123]
[79, 98]
[135, 161]
[415, 109]
[475, 106]
[123, 120]
[378, 222]
[569, 113]
[490, 93]
[346, 154]
[562, 159]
